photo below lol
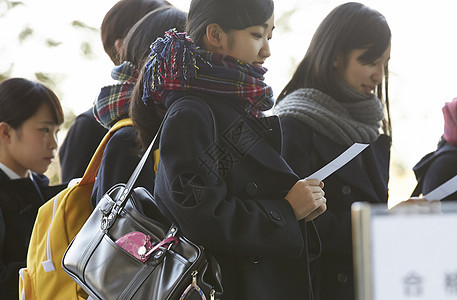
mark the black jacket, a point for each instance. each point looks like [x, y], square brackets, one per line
[79, 145]
[365, 178]
[119, 160]
[19, 203]
[236, 210]
[435, 169]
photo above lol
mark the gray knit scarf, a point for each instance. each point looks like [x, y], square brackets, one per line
[344, 122]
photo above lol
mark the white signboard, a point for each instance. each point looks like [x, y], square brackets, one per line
[405, 256]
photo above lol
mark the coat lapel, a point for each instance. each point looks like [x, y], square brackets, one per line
[260, 140]
[378, 162]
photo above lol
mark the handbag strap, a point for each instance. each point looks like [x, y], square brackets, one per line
[120, 202]
[139, 167]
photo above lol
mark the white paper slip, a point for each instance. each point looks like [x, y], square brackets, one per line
[338, 162]
[443, 190]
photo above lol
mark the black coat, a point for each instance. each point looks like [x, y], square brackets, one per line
[119, 160]
[19, 203]
[365, 178]
[79, 145]
[236, 210]
[436, 168]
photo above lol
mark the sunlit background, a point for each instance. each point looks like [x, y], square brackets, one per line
[58, 43]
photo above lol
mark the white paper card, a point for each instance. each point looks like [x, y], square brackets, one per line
[443, 190]
[338, 162]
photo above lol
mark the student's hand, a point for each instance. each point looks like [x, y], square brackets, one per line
[416, 205]
[307, 199]
[413, 201]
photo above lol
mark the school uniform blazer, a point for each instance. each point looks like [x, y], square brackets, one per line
[365, 178]
[226, 189]
[120, 158]
[436, 168]
[19, 203]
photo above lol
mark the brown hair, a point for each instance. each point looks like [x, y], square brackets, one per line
[120, 18]
[347, 27]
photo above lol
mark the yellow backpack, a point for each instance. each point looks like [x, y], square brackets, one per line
[57, 223]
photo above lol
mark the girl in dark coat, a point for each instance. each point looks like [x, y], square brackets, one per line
[222, 180]
[328, 105]
[85, 134]
[30, 115]
[121, 153]
[439, 166]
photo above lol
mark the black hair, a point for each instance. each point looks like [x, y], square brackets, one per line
[20, 99]
[347, 27]
[147, 118]
[152, 26]
[229, 14]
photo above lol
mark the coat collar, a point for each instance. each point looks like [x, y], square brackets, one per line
[260, 139]
[421, 167]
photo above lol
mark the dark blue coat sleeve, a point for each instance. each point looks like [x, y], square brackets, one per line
[443, 168]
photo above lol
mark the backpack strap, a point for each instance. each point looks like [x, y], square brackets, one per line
[89, 176]
[94, 164]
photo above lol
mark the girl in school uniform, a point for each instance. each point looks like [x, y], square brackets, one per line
[222, 180]
[336, 97]
[30, 116]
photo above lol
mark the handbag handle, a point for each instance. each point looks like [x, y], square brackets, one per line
[109, 220]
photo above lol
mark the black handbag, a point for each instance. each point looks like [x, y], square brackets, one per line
[128, 250]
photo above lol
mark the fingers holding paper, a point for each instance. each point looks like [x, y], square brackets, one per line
[416, 205]
[307, 199]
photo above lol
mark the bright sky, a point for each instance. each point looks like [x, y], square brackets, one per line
[423, 61]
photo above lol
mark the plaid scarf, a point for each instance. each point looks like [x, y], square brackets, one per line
[177, 64]
[113, 101]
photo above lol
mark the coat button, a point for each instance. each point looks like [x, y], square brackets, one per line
[275, 215]
[346, 190]
[342, 278]
[251, 189]
[255, 259]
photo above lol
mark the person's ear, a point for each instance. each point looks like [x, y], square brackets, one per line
[118, 45]
[5, 132]
[214, 37]
[337, 61]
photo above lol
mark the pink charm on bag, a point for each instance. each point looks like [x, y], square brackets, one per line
[136, 243]
[139, 244]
